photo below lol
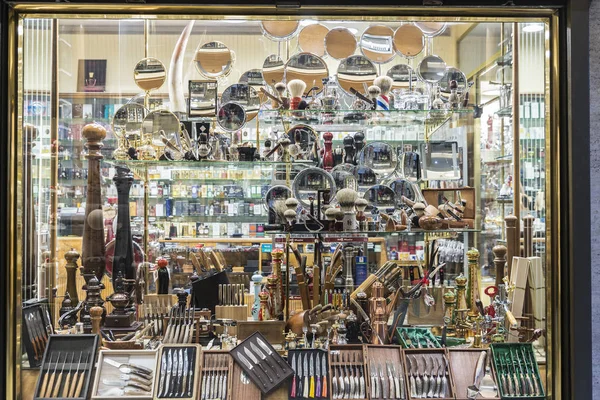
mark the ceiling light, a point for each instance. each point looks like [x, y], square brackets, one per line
[531, 28]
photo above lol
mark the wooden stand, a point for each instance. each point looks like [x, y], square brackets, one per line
[72, 256]
[512, 242]
[500, 263]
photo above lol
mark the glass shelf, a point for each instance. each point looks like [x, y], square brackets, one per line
[203, 164]
[349, 236]
[212, 218]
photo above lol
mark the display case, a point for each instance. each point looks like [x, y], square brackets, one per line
[328, 182]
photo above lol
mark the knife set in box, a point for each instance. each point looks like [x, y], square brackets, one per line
[310, 374]
[124, 373]
[428, 374]
[347, 372]
[386, 377]
[177, 370]
[261, 363]
[221, 378]
[473, 368]
[517, 371]
[67, 366]
[35, 336]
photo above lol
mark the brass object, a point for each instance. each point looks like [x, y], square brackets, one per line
[71, 287]
[461, 290]
[450, 306]
[473, 292]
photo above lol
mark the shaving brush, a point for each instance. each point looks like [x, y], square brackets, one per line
[339, 220]
[361, 205]
[330, 214]
[296, 88]
[346, 198]
[290, 216]
[384, 83]
[280, 89]
[276, 212]
[374, 92]
[292, 203]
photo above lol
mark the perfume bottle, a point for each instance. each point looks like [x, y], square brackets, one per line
[90, 81]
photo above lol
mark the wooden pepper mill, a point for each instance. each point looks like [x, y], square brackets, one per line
[72, 256]
[277, 258]
[500, 263]
[96, 316]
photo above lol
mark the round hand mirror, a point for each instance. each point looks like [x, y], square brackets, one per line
[127, 121]
[453, 74]
[214, 59]
[162, 121]
[308, 68]
[149, 74]
[277, 192]
[380, 196]
[431, 69]
[402, 75]
[355, 71]
[244, 95]
[304, 137]
[380, 157]
[408, 40]
[340, 43]
[431, 29]
[273, 69]
[309, 182]
[231, 117]
[365, 176]
[311, 39]
[403, 187]
[344, 179]
[376, 43]
[279, 31]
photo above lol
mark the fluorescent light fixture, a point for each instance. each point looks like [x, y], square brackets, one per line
[533, 27]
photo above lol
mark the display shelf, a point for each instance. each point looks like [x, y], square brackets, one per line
[213, 218]
[220, 239]
[203, 164]
[349, 235]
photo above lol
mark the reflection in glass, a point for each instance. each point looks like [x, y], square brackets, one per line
[231, 117]
[244, 95]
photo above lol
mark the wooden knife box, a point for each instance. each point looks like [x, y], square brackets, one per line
[463, 363]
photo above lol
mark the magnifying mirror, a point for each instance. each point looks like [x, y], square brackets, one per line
[402, 75]
[431, 29]
[440, 160]
[340, 43]
[231, 117]
[408, 40]
[214, 59]
[307, 67]
[431, 69]
[311, 39]
[127, 121]
[309, 182]
[202, 98]
[377, 43]
[244, 95]
[273, 69]
[254, 78]
[149, 74]
[303, 137]
[279, 31]
[453, 74]
[344, 179]
[403, 187]
[380, 157]
[380, 196]
[161, 122]
[365, 177]
[355, 71]
[274, 203]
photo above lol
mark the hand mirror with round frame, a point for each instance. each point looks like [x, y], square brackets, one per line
[309, 181]
[149, 74]
[365, 177]
[453, 74]
[380, 196]
[403, 187]
[304, 136]
[431, 28]
[431, 69]
[214, 59]
[340, 43]
[162, 121]
[244, 95]
[311, 39]
[231, 117]
[402, 75]
[380, 157]
[408, 40]
[277, 192]
[377, 43]
[279, 31]
[355, 71]
[273, 69]
[127, 121]
[309, 68]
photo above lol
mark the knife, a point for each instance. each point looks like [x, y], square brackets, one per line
[172, 372]
[324, 370]
[374, 382]
[263, 357]
[124, 384]
[191, 377]
[179, 371]
[251, 368]
[204, 380]
[393, 383]
[163, 371]
[270, 352]
[305, 387]
[311, 373]
[384, 388]
[185, 372]
[398, 382]
[293, 392]
[167, 376]
[130, 368]
[318, 373]
[255, 361]
[137, 379]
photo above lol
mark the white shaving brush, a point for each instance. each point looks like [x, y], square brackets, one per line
[292, 203]
[384, 83]
[330, 214]
[374, 92]
[296, 87]
[290, 216]
[280, 89]
[279, 208]
[346, 198]
[361, 204]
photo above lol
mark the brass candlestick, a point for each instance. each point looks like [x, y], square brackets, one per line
[500, 263]
[473, 292]
[72, 256]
